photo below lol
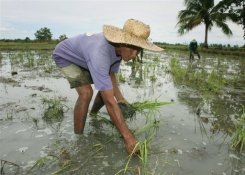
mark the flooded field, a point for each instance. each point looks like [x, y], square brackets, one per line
[192, 135]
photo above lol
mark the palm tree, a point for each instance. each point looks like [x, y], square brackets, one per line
[238, 7]
[204, 11]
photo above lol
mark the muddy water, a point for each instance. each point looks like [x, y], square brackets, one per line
[193, 136]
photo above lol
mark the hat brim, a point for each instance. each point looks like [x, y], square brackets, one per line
[117, 35]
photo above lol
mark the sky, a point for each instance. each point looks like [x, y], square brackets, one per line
[22, 18]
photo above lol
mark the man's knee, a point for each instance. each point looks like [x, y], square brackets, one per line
[85, 92]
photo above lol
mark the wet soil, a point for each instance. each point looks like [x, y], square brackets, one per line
[193, 136]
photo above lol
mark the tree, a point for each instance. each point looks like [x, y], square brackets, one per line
[237, 7]
[204, 12]
[27, 39]
[62, 37]
[43, 34]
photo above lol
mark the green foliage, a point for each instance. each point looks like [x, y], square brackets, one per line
[121, 78]
[141, 150]
[43, 34]
[62, 37]
[53, 109]
[149, 105]
[27, 39]
[202, 80]
[204, 11]
[129, 110]
[31, 45]
[236, 7]
[238, 139]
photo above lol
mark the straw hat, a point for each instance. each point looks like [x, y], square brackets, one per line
[134, 32]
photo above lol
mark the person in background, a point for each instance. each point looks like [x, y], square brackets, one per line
[88, 59]
[193, 49]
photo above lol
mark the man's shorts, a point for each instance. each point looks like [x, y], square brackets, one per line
[77, 76]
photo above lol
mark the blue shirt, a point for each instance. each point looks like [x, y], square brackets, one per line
[92, 52]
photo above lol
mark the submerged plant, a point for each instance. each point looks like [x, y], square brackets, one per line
[202, 80]
[140, 150]
[238, 139]
[40, 163]
[53, 109]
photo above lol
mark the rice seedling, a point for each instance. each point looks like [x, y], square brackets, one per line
[149, 129]
[141, 150]
[121, 78]
[148, 105]
[202, 80]
[238, 139]
[129, 110]
[40, 162]
[53, 109]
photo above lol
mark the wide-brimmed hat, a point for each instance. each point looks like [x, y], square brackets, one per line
[134, 33]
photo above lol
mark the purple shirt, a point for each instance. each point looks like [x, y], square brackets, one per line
[92, 52]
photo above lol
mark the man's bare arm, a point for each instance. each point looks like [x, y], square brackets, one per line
[117, 118]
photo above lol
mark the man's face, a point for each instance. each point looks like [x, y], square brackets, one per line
[129, 52]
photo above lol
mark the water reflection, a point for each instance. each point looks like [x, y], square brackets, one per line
[211, 90]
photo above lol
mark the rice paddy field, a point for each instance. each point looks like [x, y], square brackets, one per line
[188, 118]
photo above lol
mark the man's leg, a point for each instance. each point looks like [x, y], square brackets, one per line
[98, 104]
[191, 55]
[198, 55]
[85, 93]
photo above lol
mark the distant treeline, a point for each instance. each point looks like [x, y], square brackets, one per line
[20, 44]
[218, 46]
[28, 40]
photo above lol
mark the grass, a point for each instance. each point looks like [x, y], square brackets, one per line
[53, 109]
[148, 105]
[199, 79]
[51, 45]
[27, 46]
[142, 148]
[238, 139]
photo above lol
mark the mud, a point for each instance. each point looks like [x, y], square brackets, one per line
[193, 136]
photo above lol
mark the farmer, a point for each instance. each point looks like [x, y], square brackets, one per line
[94, 59]
[193, 49]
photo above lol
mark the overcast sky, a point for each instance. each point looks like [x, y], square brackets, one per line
[22, 18]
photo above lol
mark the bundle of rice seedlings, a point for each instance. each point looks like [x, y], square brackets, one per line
[53, 109]
[149, 105]
[129, 110]
[238, 139]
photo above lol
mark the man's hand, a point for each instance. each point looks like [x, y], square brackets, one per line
[118, 120]
[132, 146]
[127, 110]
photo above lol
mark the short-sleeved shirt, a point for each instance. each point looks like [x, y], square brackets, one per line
[193, 46]
[91, 52]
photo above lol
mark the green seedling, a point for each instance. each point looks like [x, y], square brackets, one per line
[129, 110]
[148, 105]
[40, 163]
[141, 151]
[53, 109]
[238, 139]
